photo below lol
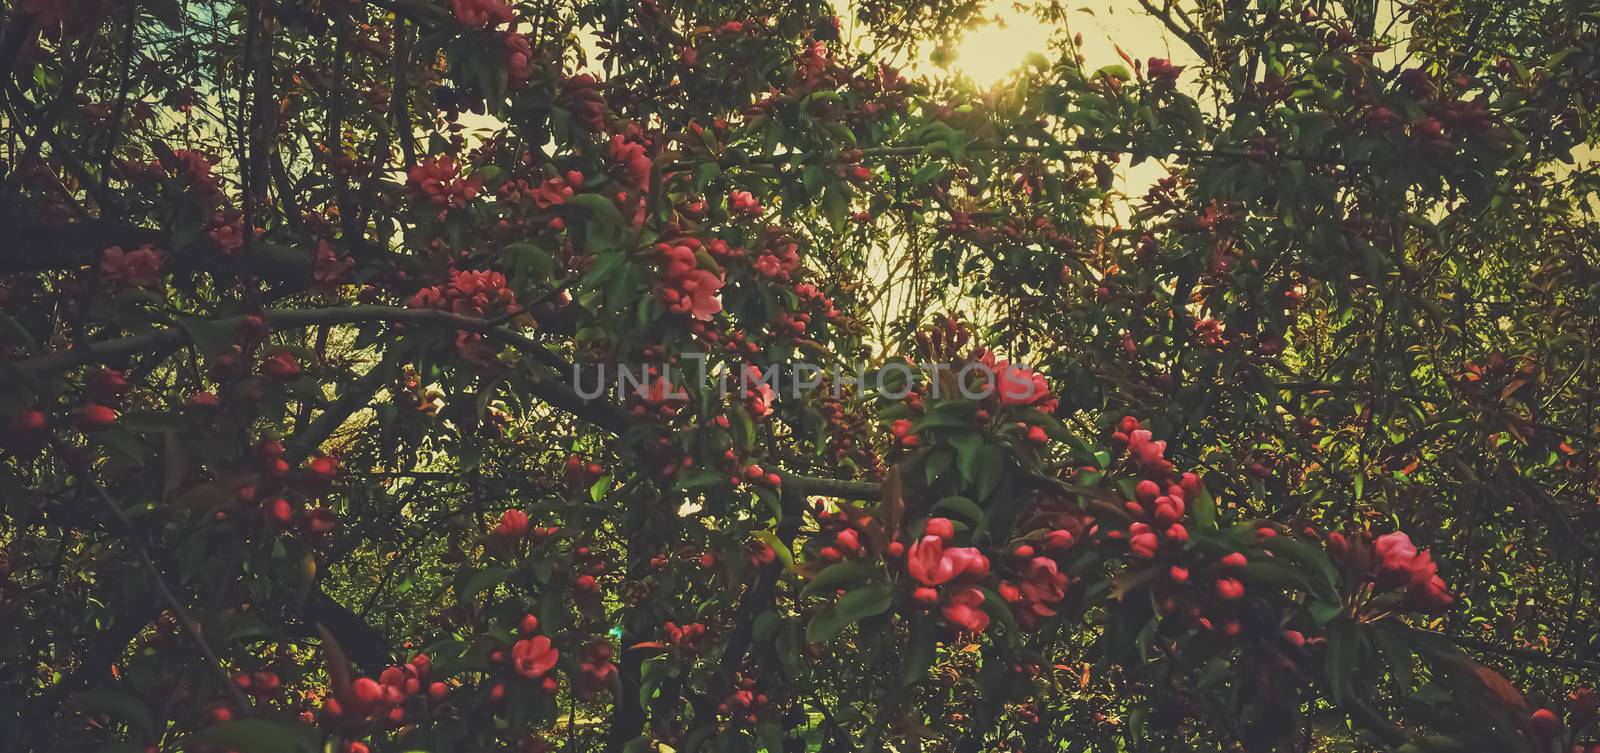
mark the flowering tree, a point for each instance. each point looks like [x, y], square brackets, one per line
[304, 304]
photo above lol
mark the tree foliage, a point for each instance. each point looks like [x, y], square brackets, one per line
[303, 303]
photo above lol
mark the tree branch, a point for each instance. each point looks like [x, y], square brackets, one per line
[599, 413]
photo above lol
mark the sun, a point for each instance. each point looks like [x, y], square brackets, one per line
[991, 52]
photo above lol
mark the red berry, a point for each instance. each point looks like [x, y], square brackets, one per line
[29, 421]
[282, 366]
[365, 692]
[1545, 724]
[108, 383]
[95, 417]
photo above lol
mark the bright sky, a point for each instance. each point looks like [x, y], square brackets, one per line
[990, 52]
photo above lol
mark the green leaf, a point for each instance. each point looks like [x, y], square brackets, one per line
[256, 736]
[1275, 574]
[840, 575]
[927, 173]
[836, 204]
[176, 457]
[937, 463]
[778, 547]
[921, 651]
[600, 206]
[604, 264]
[210, 338]
[1118, 71]
[1000, 612]
[121, 441]
[1205, 510]
[529, 262]
[1216, 668]
[962, 508]
[744, 430]
[124, 707]
[12, 331]
[1343, 652]
[480, 581]
[969, 447]
[854, 606]
[1396, 652]
[700, 478]
[1310, 558]
[168, 12]
[1125, 584]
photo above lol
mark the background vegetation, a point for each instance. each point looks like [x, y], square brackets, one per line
[1303, 455]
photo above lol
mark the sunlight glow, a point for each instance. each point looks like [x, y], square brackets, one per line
[991, 52]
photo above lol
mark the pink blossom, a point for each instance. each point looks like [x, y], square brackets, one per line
[932, 565]
[533, 657]
[481, 14]
[140, 267]
[519, 57]
[964, 610]
[694, 293]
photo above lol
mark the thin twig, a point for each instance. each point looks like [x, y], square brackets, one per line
[168, 598]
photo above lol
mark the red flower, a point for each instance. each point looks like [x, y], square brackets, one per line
[227, 231]
[107, 383]
[768, 265]
[901, 429]
[1163, 72]
[513, 524]
[438, 180]
[556, 191]
[321, 521]
[94, 417]
[533, 657]
[678, 259]
[758, 394]
[330, 267]
[964, 610]
[323, 468]
[1144, 545]
[140, 268]
[282, 366]
[519, 57]
[932, 565]
[631, 159]
[1148, 452]
[194, 169]
[365, 693]
[29, 421]
[481, 14]
[742, 202]
[695, 294]
[1400, 564]
[581, 95]
[472, 292]
[1545, 724]
[1045, 584]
